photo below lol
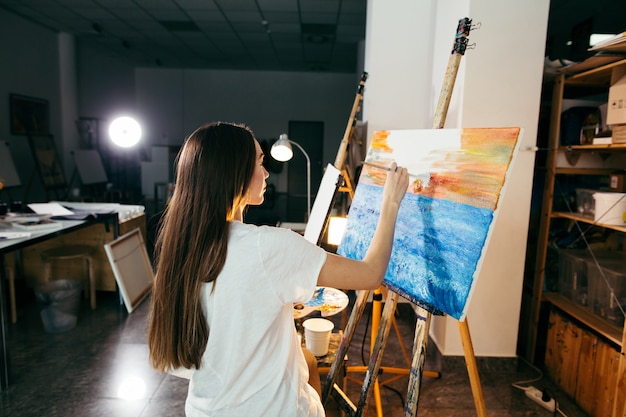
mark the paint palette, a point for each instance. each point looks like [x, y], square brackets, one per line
[329, 301]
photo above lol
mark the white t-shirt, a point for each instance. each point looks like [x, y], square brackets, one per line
[253, 365]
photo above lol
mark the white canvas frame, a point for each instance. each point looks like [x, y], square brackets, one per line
[132, 268]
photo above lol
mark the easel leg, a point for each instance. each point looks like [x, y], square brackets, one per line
[376, 315]
[330, 387]
[420, 343]
[377, 350]
[472, 369]
[398, 372]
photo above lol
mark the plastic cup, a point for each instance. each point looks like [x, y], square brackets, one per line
[317, 335]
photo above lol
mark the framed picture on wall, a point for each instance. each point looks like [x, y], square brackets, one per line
[47, 161]
[29, 115]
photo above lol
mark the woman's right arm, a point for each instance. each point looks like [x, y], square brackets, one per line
[345, 273]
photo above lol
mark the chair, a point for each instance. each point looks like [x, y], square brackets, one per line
[66, 253]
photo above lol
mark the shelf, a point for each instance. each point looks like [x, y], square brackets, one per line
[585, 316]
[584, 171]
[584, 84]
[599, 148]
[580, 218]
[596, 77]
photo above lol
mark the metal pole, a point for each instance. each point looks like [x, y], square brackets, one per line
[308, 179]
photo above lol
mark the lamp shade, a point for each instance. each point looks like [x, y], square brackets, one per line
[281, 149]
[125, 132]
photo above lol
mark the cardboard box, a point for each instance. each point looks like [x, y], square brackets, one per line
[616, 112]
[618, 134]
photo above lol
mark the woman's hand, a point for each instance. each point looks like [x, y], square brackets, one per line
[396, 185]
[340, 272]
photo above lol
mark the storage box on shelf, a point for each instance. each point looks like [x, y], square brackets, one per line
[610, 208]
[616, 109]
[617, 182]
[564, 362]
[607, 290]
[618, 134]
[584, 275]
[573, 274]
[585, 204]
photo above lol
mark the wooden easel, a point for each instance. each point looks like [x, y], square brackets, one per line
[423, 315]
[344, 165]
[349, 138]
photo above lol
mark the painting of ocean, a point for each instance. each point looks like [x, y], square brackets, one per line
[445, 220]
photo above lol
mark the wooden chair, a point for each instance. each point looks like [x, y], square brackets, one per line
[66, 253]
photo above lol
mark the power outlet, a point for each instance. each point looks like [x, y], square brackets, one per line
[537, 396]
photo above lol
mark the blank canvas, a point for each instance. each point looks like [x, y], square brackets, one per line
[446, 218]
[131, 266]
[7, 168]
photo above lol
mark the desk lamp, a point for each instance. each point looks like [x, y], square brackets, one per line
[282, 151]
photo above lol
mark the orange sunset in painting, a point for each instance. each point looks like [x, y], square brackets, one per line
[472, 174]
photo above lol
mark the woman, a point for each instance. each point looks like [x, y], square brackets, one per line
[223, 295]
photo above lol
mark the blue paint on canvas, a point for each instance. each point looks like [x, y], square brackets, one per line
[437, 245]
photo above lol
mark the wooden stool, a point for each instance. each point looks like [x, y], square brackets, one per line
[64, 253]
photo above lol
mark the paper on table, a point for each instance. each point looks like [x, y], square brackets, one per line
[616, 43]
[55, 209]
[13, 235]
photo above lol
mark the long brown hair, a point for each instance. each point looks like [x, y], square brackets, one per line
[213, 172]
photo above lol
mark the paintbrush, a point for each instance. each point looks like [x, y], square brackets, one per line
[384, 168]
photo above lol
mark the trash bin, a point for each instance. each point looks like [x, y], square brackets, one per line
[59, 302]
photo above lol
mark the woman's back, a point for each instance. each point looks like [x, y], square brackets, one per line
[249, 366]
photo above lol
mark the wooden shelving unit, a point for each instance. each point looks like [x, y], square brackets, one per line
[572, 86]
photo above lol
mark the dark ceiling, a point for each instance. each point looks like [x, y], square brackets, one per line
[277, 35]
[284, 35]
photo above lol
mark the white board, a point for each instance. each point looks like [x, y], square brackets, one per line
[322, 204]
[131, 266]
[7, 168]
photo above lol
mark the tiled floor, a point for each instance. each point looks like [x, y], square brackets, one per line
[100, 368]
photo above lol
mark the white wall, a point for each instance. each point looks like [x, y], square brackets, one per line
[398, 58]
[29, 65]
[498, 85]
[68, 95]
[172, 103]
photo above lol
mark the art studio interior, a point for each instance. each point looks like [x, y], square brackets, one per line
[506, 291]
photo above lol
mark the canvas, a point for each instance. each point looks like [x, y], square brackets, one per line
[445, 220]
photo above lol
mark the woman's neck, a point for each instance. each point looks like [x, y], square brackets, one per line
[238, 214]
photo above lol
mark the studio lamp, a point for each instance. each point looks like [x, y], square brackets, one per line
[282, 151]
[125, 131]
